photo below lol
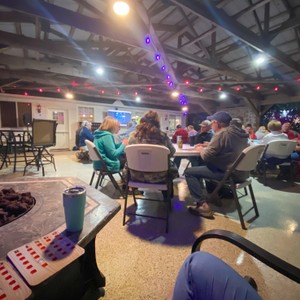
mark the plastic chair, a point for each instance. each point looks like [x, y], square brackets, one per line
[95, 155]
[43, 137]
[277, 153]
[4, 158]
[149, 159]
[246, 162]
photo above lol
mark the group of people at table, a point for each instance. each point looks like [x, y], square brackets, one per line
[219, 141]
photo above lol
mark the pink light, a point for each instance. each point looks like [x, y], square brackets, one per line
[74, 83]
[237, 88]
[201, 90]
[150, 88]
[257, 88]
[298, 79]
[58, 90]
[102, 91]
[25, 94]
[135, 93]
[276, 88]
[40, 90]
[219, 88]
[187, 82]
[118, 93]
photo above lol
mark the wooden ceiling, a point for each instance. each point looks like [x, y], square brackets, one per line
[50, 47]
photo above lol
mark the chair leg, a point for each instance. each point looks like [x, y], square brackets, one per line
[92, 179]
[125, 204]
[239, 209]
[99, 180]
[113, 180]
[253, 201]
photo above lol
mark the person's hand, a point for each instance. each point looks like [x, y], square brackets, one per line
[125, 141]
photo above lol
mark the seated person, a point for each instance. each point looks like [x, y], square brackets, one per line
[149, 132]
[204, 276]
[250, 131]
[261, 132]
[221, 152]
[180, 132]
[130, 127]
[287, 129]
[202, 137]
[109, 150]
[85, 133]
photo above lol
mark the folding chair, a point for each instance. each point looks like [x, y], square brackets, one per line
[96, 156]
[246, 162]
[4, 158]
[277, 153]
[148, 159]
[43, 137]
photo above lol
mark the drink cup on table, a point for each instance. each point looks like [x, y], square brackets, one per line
[179, 141]
[74, 200]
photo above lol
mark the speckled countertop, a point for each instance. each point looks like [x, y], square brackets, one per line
[48, 214]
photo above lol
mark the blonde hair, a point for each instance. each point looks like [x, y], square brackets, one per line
[274, 125]
[109, 124]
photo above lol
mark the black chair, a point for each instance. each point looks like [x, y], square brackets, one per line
[262, 255]
[148, 159]
[246, 162]
[95, 155]
[43, 137]
[4, 147]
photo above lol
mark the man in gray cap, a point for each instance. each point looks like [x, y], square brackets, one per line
[225, 146]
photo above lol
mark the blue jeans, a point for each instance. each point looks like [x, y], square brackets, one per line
[194, 175]
[204, 276]
[295, 156]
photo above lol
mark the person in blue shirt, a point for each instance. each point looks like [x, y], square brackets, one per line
[85, 134]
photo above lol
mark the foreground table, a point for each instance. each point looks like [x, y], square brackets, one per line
[47, 215]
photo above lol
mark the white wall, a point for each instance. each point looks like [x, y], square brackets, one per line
[71, 109]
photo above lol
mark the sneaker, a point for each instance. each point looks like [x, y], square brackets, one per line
[202, 210]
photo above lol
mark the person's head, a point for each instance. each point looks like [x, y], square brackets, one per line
[129, 124]
[87, 124]
[219, 120]
[178, 126]
[190, 128]
[109, 124]
[262, 129]
[274, 125]
[149, 124]
[286, 127]
[248, 128]
[205, 126]
[236, 122]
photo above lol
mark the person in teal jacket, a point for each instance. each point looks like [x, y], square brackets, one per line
[112, 153]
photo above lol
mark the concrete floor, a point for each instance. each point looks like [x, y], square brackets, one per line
[141, 261]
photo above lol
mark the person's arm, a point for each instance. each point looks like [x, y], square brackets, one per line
[212, 150]
[110, 147]
[170, 146]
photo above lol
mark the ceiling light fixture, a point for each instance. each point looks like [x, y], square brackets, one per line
[100, 71]
[121, 8]
[260, 60]
[69, 95]
[223, 96]
[175, 94]
[138, 99]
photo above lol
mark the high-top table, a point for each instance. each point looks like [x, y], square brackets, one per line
[73, 281]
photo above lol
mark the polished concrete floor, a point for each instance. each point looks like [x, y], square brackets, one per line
[141, 261]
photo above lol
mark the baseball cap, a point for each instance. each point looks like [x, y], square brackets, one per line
[220, 116]
[205, 123]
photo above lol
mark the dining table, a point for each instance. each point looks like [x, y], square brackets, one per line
[81, 275]
[186, 150]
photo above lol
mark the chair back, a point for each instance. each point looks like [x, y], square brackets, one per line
[95, 155]
[147, 157]
[43, 133]
[280, 149]
[249, 157]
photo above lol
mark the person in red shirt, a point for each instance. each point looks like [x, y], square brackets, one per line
[249, 129]
[180, 132]
[286, 128]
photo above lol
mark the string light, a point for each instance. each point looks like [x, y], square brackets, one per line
[201, 90]
[163, 68]
[237, 88]
[147, 40]
[157, 56]
[257, 87]
[276, 88]
[219, 88]
[40, 90]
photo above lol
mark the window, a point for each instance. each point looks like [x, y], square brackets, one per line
[86, 113]
[59, 117]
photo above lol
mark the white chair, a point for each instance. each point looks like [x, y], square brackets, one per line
[95, 155]
[148, 159]
[277, 153]
[246, 162]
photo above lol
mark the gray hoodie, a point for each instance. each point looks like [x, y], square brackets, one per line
[225, 147]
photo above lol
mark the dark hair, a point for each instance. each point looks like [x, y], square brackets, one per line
[178, 126]
[149, 127]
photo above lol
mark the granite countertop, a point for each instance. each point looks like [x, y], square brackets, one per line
[48, 214]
